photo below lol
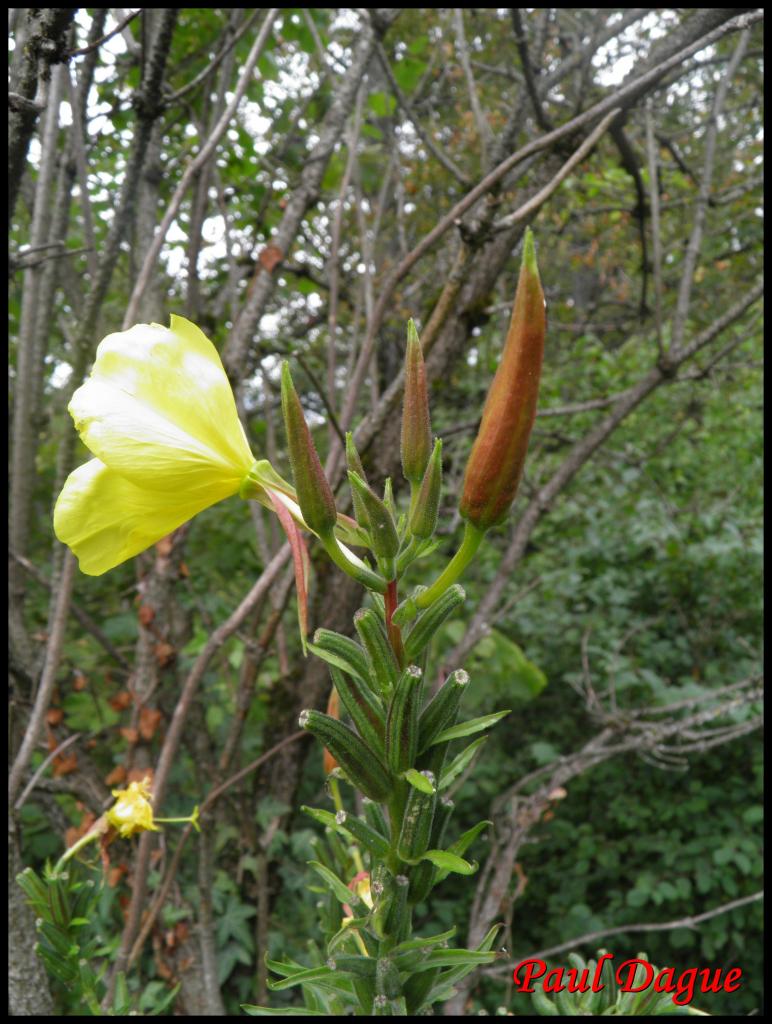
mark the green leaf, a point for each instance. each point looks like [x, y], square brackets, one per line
[419, 781]
[458, 764]
[469, 728]
[381, 103]
[463, 843]
[431, 940]
[339, 889]
[447, 861]
[468, 958]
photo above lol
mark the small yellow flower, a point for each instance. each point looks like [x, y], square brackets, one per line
[159, 415]
[133, 810]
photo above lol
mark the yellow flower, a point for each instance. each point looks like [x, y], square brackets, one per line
[159, 415]
[132, 811]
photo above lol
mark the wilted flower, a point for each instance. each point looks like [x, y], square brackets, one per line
[132, 811]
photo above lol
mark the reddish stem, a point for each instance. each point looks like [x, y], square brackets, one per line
[394, 634]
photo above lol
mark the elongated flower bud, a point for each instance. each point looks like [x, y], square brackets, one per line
[423, 517]
[416, 443]
[496, 462]
[314, 493]
[383, 533]
[354, 463]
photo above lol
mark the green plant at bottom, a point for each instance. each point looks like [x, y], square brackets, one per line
[385, 853]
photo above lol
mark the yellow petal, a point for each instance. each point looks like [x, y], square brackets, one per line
[133, 811]
[159, 410]
[106, 519]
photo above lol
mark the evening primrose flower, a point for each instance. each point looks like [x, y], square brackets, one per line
[159, 414]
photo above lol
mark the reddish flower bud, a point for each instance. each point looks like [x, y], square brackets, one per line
[314, 493]
[416, 442]
[496, 462]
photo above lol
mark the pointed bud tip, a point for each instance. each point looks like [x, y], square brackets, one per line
[529, 253]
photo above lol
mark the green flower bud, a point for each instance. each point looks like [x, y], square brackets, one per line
[314, 493]
[416, 442]
[384, 540]
[423, 517]
[354, 463]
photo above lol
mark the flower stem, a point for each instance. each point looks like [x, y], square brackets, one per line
[365, 576]
[471, 542]
[395, 636]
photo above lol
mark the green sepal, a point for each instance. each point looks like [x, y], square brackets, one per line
[427, 624]
[426, 505]
[387, 980]
[354, 464]
[441, 712]
[384, 540]
[63, 970]
[375, 817]
[58, 940]
[361, 766]
[342, 652]
[402, 721]
[364, 708]
[423, 876]
[384, 670]
[416, 829]
[315, 497]
[397, 921]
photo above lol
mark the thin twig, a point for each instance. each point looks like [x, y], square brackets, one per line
[114, 32]
[537, 201]
[483, 128]
[47, 678]
[39, 771]
[424, 136]
[216, 61]
[656, 229]
[204, 154]
[171, 872]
